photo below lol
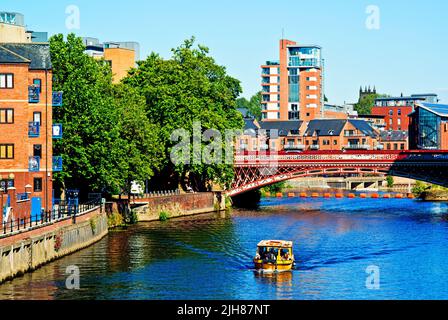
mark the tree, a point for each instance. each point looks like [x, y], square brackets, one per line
[253, 106]
[180, 91]
[140, 138]
[390, 181]
[108, 140]
[364, 106]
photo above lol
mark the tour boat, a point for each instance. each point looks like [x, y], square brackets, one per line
[274, 256]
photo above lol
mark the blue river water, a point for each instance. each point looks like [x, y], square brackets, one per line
[210, 256]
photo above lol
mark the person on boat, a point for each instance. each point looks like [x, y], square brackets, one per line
[285, 254]
[272, 256]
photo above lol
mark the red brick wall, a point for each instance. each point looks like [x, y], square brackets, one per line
[384, 111]
[17, 133]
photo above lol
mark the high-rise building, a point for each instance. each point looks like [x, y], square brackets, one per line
[292, 87]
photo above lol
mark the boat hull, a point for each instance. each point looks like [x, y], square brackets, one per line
[282, 266]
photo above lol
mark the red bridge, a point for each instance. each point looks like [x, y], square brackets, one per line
[255, 170]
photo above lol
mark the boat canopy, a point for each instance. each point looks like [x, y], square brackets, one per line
[275, 243]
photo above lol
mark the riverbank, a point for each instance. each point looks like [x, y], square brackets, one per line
[27, 251]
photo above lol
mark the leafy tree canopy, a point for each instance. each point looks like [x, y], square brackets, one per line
[187, 88]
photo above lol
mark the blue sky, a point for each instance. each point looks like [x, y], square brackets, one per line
[407, 54]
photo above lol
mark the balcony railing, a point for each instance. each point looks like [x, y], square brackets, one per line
[34, 164]
[294, 147]
[357, 147]
[33, 94]
[57, 99]
[314, 147]
[57, 164]
[57, 131]
[33, 129]
[23, 196]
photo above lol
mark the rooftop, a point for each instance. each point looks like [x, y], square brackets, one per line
[334, 127]
[393, 135]
[412, 98]
[36, 54]
[439, 109]
[283, 127]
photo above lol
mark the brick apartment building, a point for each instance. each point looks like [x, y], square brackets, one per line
[26, 130]
[292, 86]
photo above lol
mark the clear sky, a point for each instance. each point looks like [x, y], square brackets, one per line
[407, 54]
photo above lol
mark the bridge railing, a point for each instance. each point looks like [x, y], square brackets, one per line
[341, 156]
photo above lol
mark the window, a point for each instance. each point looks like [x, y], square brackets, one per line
[5, 184]
[37, 150]
[402, 146]
[399, 112]
[6, 151]
[391, 112]
[395, 146]
[6, 116]
[37, 117]
[6, 81]
[38, 84]
[37, 184]
[335, 142]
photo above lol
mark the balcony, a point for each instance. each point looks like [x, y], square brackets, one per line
[244, 147]
[34, 164]
[57, 164]
[294, 147]
[314, 147]
[57, 99]
[57, 131]
[357, 147]
[33, 129]
[264, 147]
[33, 94]
[23, 196]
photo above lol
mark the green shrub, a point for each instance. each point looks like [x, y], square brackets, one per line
[115, 220]
[164, 216]
[390, 181]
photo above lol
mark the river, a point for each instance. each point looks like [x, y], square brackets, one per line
[209, 256]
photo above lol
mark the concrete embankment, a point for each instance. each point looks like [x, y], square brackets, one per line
[27, 251]
[150, 209]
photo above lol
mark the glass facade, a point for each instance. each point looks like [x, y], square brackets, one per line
[305, 57]
[428, 131]
[294, 85]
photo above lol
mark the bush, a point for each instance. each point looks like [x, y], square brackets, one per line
[390, 181]
[420, 188]
[164, 216]
[115, 220]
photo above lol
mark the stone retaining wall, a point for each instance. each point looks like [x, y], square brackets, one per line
[179, 205]
[27, 251]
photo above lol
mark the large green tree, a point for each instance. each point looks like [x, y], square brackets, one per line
[108, 140]
[187, 88]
